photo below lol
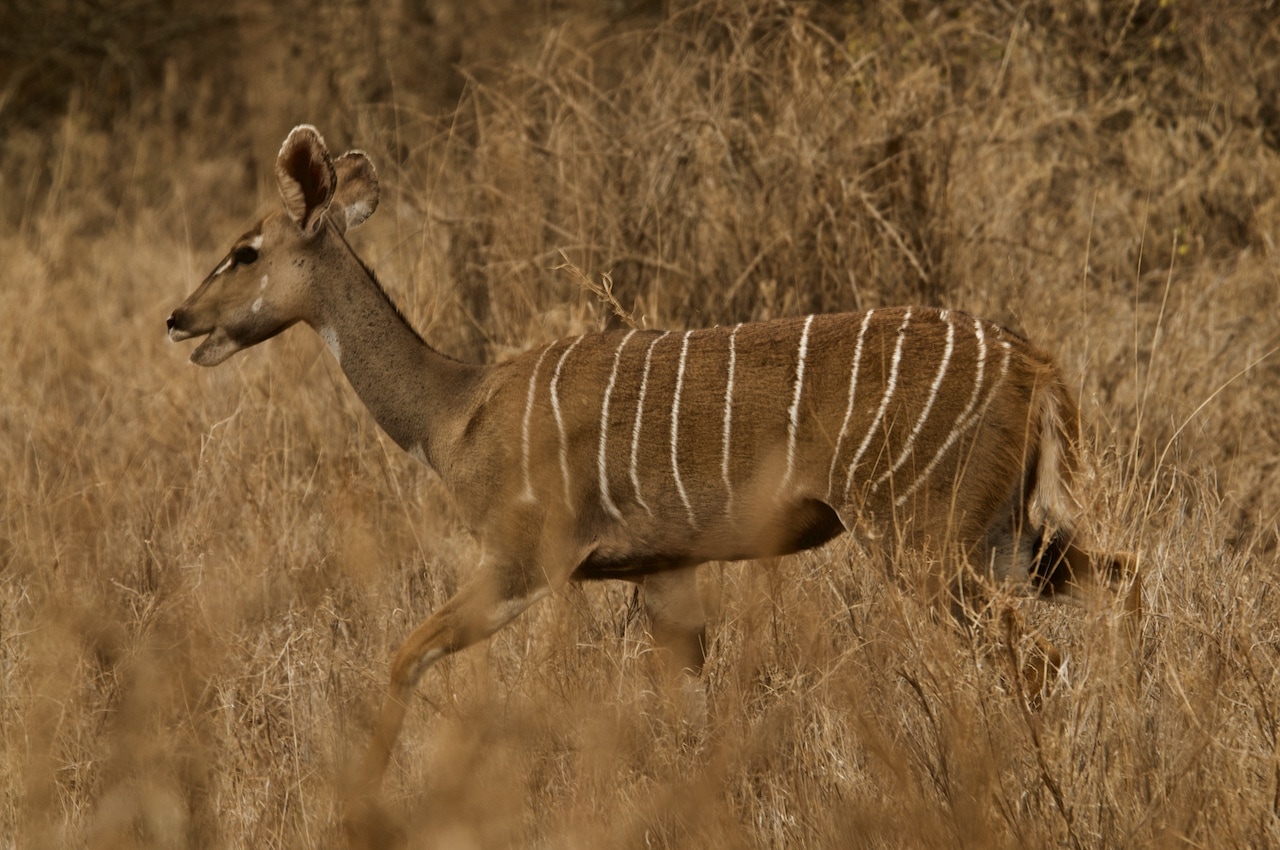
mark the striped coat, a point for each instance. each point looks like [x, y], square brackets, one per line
[672, 448]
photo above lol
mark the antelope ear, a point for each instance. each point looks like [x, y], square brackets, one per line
[306, 178]
[357, 195]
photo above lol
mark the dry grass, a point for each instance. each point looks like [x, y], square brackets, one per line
[202, 573]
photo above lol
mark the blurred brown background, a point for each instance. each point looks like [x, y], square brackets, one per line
[202, 573]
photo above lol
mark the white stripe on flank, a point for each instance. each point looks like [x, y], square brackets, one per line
[675, 429]
[928, 406]
[793, 424]
[524, 431]
[635, 430]
[848, 410]
[967, 417]
[728, 421]
[884, 402]
[555, 410]
[604, 430]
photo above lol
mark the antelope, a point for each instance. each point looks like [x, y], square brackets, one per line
[640, 454]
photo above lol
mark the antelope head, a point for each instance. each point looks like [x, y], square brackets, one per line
[266, 282]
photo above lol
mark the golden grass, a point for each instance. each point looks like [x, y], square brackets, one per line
[203, 573]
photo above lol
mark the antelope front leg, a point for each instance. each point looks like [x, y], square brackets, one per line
[480, 608]
[678, 626]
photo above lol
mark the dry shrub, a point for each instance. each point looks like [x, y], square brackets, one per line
[202, 573]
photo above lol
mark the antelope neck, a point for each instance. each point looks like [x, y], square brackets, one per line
[415, 393]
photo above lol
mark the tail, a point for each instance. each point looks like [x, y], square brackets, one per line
[1067, 562]
[1067, 557]
[1053, 506]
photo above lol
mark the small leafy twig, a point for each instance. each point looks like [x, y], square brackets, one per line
[603, 290]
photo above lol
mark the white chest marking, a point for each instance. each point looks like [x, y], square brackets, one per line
[330, 337]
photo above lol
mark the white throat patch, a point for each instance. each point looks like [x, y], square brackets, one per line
[330, 337]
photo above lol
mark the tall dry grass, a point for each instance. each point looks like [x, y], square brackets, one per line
[202, 573]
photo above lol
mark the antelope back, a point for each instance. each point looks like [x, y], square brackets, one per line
[768, 437]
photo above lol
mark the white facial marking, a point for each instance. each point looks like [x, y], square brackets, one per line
[848, 410]
[793, 423]
[256, 242]
[330, 337]
[524, 428]
[256, 305]
[884, 402]
[635, 429]
[675, 428]
[604, 431]
[728, 422]
[223, 266]
[555, 410]
[924, 413]
[262, 284]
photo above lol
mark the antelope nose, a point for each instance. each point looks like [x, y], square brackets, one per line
[177, 324]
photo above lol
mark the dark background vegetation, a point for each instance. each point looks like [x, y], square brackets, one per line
[203, 573]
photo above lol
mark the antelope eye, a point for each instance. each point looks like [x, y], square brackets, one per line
[245, 255]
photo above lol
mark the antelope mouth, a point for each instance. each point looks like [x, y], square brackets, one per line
[177, 334]
[216, 347]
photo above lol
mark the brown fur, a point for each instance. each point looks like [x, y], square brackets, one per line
[968, 470]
